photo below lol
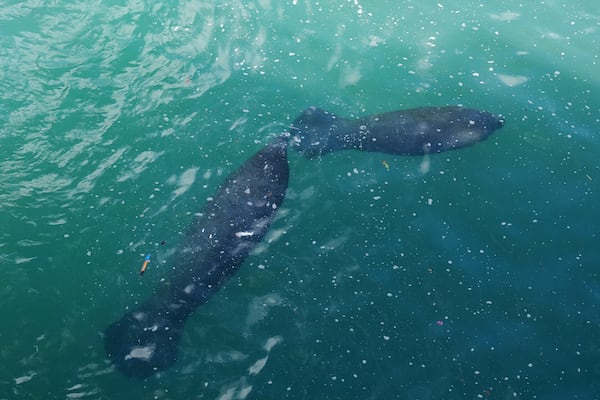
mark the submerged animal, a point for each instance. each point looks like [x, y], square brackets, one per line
[407, 132]
[237, 217]
[232, 223]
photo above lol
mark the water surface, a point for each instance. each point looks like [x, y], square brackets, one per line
[470, 274]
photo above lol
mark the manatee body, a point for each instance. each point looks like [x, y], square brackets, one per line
[407, 132]
[232, 223]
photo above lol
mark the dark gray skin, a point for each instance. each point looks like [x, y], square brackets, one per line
[145, 340]
[407, 132]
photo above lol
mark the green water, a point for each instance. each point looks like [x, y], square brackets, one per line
[471, 274]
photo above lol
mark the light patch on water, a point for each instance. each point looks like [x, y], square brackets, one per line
[225, 357]
[505, 16]
[258, 366]
[374, 41]
[237, 123]
[238, 391]
[553, 35]
[272, 342]
[189, 288]
[167, 132]
[334, 243]
[259, 308]
[172, 180]
[423, 65]
[241, 388]
[142, 352]
[335, 57]
[307, 193]
[350, 76]
[29, 243]
[425, 165]
[255, 368]
[75, 387]
[272, 236]
[140, 316]
[220, 71]
[47, 183]
[185, 182]
[22, 260]
[275, 234]
[78, 391]
[512, 80]
[26, 378]
[87, 183]
[140, 164]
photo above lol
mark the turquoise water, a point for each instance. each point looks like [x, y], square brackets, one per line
[470, 274]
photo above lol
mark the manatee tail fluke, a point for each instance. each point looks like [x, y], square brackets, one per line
[315, 132]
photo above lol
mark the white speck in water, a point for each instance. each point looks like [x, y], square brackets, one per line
[243, 234]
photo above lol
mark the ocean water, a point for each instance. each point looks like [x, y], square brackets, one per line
[472, 274]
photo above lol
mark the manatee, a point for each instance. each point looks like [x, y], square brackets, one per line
[417, 131]
[233, 221]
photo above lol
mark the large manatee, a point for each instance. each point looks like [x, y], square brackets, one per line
[232, 223]
[407, 132]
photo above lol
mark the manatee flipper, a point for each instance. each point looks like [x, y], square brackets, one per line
[407, 132]
[236, 218]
